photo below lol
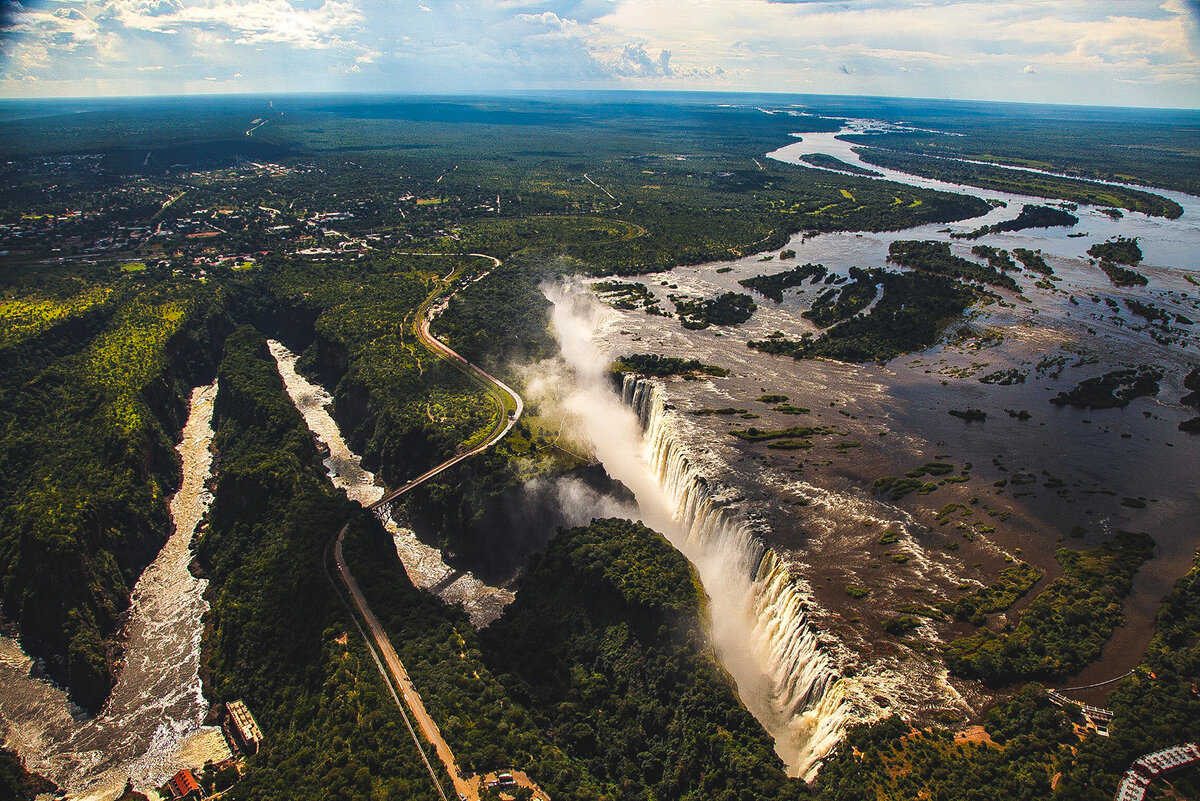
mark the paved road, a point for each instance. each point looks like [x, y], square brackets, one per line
[466, 787]
[503, 425]
[412, 698]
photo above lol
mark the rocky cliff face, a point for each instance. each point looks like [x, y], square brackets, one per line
[78, 541]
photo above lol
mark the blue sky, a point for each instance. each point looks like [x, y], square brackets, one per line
[1119, 52]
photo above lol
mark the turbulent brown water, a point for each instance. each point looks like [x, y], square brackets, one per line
[423, 563]
[152, 724]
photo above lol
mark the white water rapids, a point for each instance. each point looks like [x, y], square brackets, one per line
[152, 724]
[423, 563]
[760, 624]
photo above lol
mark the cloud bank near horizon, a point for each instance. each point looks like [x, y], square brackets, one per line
[1126, 52]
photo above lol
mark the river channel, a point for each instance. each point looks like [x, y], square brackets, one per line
[423, 563]
[1078, 468]
[152, 725]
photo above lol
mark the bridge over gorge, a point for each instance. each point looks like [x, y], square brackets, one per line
[403, 691]
[1099, 716]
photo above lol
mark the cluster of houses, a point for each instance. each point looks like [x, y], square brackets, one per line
[243, 736]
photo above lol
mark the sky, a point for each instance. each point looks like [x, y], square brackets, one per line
[1105, 52]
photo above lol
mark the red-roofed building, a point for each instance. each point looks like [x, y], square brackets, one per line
[184, 785]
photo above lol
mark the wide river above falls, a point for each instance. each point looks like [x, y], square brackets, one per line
[153, 722]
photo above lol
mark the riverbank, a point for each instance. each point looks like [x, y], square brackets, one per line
[153, 723]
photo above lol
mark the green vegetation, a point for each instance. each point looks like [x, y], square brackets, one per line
[1067, 624]
[18, 784]
[89, 409]
[1029, 740]
[397, 404]
[1030, 217]
[1033, 260]
[1154, 708]
[501, 320]
[932, 469]
[1024, 183]
[892, 761]
[609, 693]
[279, 637]
[969, 415]
[935, 257]
[23, 318]
[911, 315]
[1113, 390]
[900, 624]
[896, 488]
[1011, 585]
[1085, 143]
[829, 162]
[1120, 250]
[788, 408]
[753, 434]
[856, 592]
[1148, 311]
[731, 308]
[606, 640]
[1116, 252]
[1191, 382]
[628, 295]
[1004, 378]
[276, 635]
[790, 445]
[996, 259]
[651, 364]
[1120, 276]
[772, 286]
[841, 304]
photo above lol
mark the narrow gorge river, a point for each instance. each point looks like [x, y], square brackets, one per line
[152, 724]
[423, 563]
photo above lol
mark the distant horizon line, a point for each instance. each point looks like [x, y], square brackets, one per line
[11, 99]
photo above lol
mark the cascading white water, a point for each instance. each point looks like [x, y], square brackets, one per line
[798, 697]
[152, 724]
[423, 563]
[760, 624]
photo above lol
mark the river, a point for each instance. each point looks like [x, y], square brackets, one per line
[152, 724]
[812, 510]
[814, 507]
[423, 563]
[1165, 243]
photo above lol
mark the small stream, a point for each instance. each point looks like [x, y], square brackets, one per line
[423, 563]
[152, 724]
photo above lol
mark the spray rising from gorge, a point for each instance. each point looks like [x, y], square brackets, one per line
[760, 624]
[423, 563]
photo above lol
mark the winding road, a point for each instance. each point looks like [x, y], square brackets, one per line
[386, 659]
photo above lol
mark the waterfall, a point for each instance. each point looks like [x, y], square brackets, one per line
[798, 695]
[761, 626]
